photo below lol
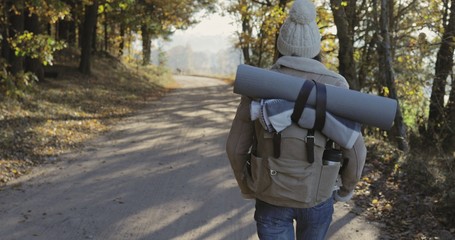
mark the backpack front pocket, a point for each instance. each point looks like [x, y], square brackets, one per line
[292, 179]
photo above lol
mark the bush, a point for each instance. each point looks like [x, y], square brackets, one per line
[14, 85]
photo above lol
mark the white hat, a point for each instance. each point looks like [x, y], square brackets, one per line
[299, 34]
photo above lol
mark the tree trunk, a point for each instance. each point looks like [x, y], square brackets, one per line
[146, 46]
[245, 46]
[438, 126]
[345, 18]
[260, 50]
[62, 30]
[122, 40]
[88, 29]
[95, 39]
[66, 31]
[450, 111]
[72, 26]
[17, 28]
[31, 64]
[5, 48]
[399, 128]
[106, 35]
[368, 52]
[72, 36]
[80, 27]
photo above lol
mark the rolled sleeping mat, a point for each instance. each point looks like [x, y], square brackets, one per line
[360, 107]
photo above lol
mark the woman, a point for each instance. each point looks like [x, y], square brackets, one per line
[299, 191]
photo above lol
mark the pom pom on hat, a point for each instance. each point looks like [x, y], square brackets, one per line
[299, 34]
[303, 12]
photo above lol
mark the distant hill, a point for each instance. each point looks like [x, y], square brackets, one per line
[205, 43]
[184, 58]
[208, 54]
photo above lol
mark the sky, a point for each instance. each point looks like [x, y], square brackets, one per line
[212, 34]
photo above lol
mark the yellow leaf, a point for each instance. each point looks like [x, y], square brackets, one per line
[386, 91]
[388, 207]
[375, 201]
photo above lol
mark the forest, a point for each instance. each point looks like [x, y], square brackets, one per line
[401, 49]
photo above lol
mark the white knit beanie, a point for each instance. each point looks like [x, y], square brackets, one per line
[299, 34]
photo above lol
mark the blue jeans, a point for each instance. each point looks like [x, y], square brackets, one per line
[277, 223]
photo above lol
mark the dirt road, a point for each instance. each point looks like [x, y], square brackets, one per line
[161, 174]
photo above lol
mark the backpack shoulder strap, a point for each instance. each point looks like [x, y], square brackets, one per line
[301, 100]
[321, 102]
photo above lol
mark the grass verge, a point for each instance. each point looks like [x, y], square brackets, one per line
[60, 114]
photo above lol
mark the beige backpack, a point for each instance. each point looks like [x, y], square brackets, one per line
[296, 167]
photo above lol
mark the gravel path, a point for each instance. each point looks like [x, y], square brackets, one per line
[161, 174]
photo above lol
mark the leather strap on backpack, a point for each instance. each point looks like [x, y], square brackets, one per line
[319, 121]
[320, 106]
[321, 103]
[276, 145]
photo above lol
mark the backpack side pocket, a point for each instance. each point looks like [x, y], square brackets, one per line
[327, 180]
[258, 178]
